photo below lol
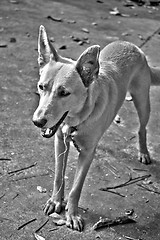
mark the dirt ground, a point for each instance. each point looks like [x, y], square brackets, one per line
[27, 160]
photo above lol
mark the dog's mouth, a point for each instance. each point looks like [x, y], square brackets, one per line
[49, 132]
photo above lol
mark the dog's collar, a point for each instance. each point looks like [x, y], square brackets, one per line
[70, 134]
[74, 129]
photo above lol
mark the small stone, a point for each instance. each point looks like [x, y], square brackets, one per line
[126, 34]
[85, 30]
[117, 119]
[112, 38]
[28, 34]
[140, 37]
[76, 39]
[14, 1]
[12, 39]
[81, 43]
[128, 98]
[52, 39]
[94, 24]
[41, 190]
[129, 212]
[71, 21]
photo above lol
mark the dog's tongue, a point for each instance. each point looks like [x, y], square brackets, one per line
[49, 132]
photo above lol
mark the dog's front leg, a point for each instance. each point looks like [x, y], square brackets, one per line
[54, 204]
[74, 220]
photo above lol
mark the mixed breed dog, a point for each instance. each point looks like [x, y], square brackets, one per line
[78, 102]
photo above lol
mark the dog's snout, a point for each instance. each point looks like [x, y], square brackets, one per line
[40, 123]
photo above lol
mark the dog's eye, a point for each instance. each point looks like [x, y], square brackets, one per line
[62, 92]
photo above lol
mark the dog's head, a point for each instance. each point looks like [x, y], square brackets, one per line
[63, 84]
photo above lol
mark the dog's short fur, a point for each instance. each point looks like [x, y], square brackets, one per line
[88, 94]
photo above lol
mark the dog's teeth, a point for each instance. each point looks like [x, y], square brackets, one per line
[48, 131]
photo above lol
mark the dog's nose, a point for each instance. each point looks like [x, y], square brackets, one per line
[40, 123]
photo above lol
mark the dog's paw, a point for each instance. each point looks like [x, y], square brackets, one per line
[52, 206]
[145, 158]
[74, 222]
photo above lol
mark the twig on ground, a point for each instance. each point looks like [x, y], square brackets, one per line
[140, 170]
[38, 229]
[5, 159]
[149, 38]
[128, 182]
[17, 194]
[23, 168]
[53, 229]
[24, 224]
[29, 176]
[117, 193]
[148, 189]
[2, 195]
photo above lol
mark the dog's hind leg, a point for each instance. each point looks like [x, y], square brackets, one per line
[54, 204]
[140, 95]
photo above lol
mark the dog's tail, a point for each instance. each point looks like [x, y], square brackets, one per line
[155, 76]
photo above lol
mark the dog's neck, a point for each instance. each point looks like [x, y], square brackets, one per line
[78, 118]
[92, 108]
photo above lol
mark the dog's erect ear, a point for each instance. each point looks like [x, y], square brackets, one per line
[45, 49]
[88, 64]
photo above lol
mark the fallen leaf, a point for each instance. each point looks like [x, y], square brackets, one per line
[115, 11]
[117, 119]
[80, 41]
[38, 237]
[147, 181]
[106, 222]
[57, 219]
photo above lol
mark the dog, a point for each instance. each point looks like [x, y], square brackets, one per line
[78, 102]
